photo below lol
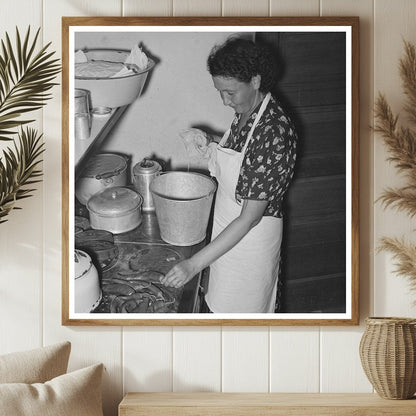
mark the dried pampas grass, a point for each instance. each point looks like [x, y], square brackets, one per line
[405, 256]
[401, 143]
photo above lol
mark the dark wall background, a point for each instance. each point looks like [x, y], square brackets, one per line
[311, 86]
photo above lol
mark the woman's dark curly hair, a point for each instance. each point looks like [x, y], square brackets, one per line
[242, 59]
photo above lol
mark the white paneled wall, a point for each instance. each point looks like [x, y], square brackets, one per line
[193, 371]
[248, 359]
[147, 7]
[245, 362]
[388, 48]
[21, 238]
[302, 345]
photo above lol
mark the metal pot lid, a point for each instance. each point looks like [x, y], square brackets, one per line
[146, 166]
[104, 165]
[93, 235]
[114, 201]
[83, 263]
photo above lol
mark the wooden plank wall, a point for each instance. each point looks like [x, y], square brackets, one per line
[277, 359]
[311, 86]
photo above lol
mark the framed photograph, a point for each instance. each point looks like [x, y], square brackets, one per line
[210, 171]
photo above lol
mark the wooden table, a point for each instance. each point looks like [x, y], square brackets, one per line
[262, 404]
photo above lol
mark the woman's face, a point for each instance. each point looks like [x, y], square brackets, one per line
[241, 96]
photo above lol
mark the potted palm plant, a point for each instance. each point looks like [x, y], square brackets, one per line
[26, 78]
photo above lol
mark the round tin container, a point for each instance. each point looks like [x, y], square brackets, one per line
[117, 210]
[104, 170]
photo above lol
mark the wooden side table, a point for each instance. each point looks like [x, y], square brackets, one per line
[262, 404]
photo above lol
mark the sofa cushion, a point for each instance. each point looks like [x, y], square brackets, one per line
[35, 366]
[73, 394]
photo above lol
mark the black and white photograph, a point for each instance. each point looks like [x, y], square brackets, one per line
[210, 171]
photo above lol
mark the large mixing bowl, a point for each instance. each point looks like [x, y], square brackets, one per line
[113, 92]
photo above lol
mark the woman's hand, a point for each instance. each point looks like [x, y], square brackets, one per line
[180, 274]
[251, 213]
[195, 139]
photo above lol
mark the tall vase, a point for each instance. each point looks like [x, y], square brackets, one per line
[388, 356]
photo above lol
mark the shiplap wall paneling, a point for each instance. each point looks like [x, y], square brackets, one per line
[147, 359]
[86, 8]
[147, 7]
[341, 368]
[197, 8]
[21, 237]
[294, 359]
[245, 8]
[394, 21]
[245, 359]
[196, 359]
[294, 8]
[89, 344]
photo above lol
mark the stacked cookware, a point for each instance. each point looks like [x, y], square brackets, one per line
[112, 207]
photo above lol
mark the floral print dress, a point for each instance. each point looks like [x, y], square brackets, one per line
[268, 165]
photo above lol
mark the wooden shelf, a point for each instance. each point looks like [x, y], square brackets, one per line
[100, 128]
[262, 404]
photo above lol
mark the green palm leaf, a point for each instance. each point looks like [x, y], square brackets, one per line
[25, 79]
[19, 170]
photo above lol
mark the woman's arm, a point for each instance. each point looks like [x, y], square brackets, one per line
[251, 213]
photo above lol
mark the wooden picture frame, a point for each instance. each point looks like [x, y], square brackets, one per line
[320, 85]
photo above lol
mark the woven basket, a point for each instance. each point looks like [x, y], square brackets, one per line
[388, 356]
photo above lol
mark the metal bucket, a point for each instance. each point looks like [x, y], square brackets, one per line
[183, 203]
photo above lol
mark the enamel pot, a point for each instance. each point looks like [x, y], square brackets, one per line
[103, 171]
[117, 210]
[87, 284]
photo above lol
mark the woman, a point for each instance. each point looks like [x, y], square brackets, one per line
[253, 164]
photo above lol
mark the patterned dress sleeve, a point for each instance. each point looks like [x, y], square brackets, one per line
[268, 166]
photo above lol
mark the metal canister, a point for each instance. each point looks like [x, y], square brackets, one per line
[143, 174]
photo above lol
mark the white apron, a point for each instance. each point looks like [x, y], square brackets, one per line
[243, 280]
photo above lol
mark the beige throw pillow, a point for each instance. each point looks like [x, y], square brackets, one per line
[73, 394]
[35, 366]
